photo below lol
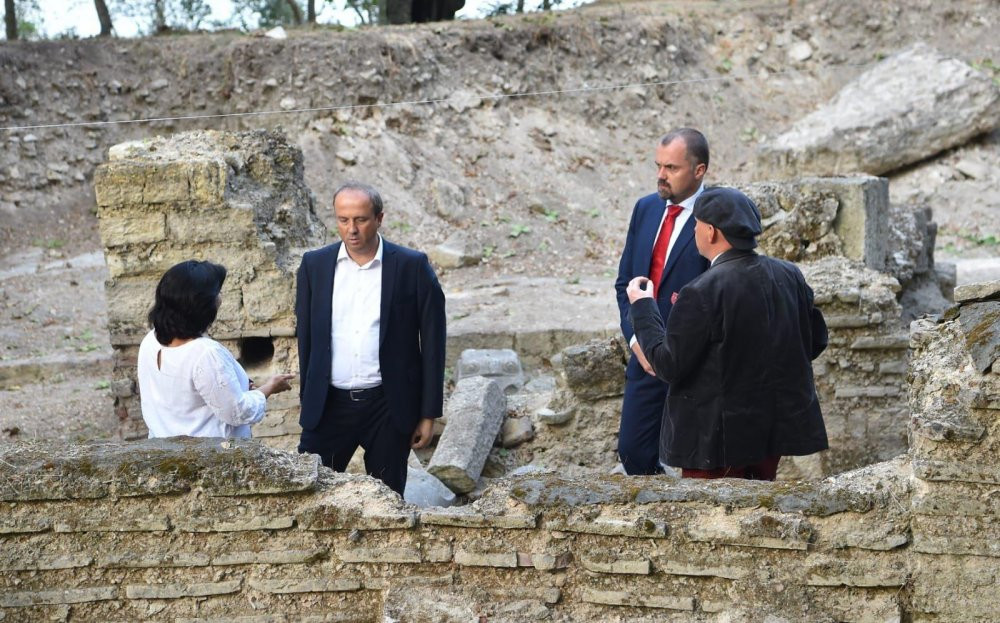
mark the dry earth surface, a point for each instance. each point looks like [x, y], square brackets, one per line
[538, 186]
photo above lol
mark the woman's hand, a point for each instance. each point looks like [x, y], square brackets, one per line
[276, 384]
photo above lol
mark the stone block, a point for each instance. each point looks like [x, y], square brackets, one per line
[905, 118]
[642, 600]
[475, 412]
[192, 227]
[189, 523]
[47, 563]
[271, 557]
[63, 596]
[976, 292]
[455, 252]
[610, 526]
[396, 555]
[468, 558]
[500, 365]
[460, 517]
[877, 391]
[124, 228]
[680, 567]
[611, 564]
[146, 560]
[179, 591]
[889, 342]
[979, 323]
[315, 585]
[424, 490]
[594, 370]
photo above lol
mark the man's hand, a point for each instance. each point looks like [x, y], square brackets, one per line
[422, 434]
[639, 288]
[642, 359]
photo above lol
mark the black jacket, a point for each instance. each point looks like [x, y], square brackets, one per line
[411, 334]
[737, 354]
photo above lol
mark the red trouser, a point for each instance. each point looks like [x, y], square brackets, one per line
[765, 470]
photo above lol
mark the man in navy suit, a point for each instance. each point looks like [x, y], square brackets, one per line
[660, 246]
[371, 334]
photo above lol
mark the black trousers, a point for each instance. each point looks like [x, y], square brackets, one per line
[347, 424]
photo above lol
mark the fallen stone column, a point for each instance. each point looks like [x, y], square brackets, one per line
[475, 412]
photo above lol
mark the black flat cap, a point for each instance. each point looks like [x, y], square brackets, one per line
[731, 212]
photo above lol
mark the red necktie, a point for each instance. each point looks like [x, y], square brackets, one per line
[659, 260]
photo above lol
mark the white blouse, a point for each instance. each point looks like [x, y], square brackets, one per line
[198, 389]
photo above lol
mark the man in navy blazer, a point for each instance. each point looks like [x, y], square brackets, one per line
[661, 228]
[371, 333]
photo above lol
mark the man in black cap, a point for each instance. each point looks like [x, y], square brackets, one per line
[736, 352]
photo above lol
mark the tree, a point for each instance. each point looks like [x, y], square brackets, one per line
[406, 11]
[296, 11]
[311, 11]
[104, 17]
[10, 19]
[157, 16]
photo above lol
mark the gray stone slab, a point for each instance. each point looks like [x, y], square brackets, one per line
[912, 105]
[475, 413]
[500, 364]
[594, 370]
[981, 326]
[982, 291]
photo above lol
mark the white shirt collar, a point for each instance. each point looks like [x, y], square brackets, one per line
[688, 204]
[342, 254]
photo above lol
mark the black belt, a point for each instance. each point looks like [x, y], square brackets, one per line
[357, 395]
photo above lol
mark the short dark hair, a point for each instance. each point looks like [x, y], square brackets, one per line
[373, 196]
[185, 304]
[694, 142]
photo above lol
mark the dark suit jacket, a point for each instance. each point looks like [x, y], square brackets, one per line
[683, 264]
[737, 353]
[411, 334]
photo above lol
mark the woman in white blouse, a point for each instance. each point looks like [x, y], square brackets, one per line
[190, 384]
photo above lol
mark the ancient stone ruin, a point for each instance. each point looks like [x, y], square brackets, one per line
[212, 530]
[239, 199]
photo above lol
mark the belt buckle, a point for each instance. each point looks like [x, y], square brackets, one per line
[350, 394]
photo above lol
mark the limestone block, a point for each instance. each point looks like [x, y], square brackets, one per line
[595, 369]
[466, 518]
[354, 502]
[455, 252]
[889, 116]
[64, 596]
[191, 227]
[177, 591]
[614, 565]
[469, 558]
[125, 228]
[973, 292]
[269, 297]
[146, 560]
[475, 412]
[232, 467]
[424, 490]
[643, 600]
[271, 557]
[980, 322]
[395, 555]
[501, 365]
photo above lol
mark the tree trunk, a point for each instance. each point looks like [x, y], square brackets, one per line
[311, 11]
[296, 11]
[104, 16]
[159, 16]
[10, 18]
[520, 6]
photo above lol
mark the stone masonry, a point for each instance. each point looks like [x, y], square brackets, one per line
[235, 199]
[203, 530]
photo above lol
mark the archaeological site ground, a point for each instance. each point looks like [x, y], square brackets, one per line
[511, 150]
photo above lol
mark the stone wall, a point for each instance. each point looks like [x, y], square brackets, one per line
[235, 199]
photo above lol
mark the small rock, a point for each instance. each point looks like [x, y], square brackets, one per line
[156, 85]
[972, 169]
[800, 52]
[555, 418]
[29, 138]
[982, 291]
[276, 33]
[287, 103]
[516, 431]
[455, 253]
[528, 469]
[347, 156]
[21, 84]
[460, 101]
[270, 83]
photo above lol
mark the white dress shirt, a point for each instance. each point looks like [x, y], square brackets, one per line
[198, 389]
[355, 315]
[687, 211]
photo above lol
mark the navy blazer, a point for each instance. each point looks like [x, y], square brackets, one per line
[411, 334]
[683, 264]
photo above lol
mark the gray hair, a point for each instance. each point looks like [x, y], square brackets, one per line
[695, 144]
[369, 191]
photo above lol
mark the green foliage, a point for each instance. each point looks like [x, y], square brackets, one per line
[159, 16]
[365, 10]
[517, 229]
[988, 67]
